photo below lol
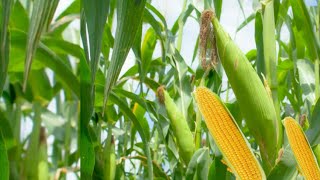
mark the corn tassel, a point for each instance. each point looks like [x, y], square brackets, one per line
[179, 126]
[228, 137]
[301, 149]
[255, 103]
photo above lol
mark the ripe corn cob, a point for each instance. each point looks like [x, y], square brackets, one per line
[255, 103]
[228, 137]
[179, 126]
[301, 149]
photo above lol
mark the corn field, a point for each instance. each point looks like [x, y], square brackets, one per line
[118, 89]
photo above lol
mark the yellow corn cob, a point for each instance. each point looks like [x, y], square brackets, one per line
[228, 137]
[301, 149]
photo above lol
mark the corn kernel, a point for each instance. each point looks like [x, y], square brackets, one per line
[227, 136]
[301, 149]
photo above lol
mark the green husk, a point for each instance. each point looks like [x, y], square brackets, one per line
[255, 103]
[179, 126]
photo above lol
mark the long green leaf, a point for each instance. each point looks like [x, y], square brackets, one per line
[44, 57]
[93, 19]
[307, 79]
[129, 19]
[4, 161]
[258, 29]
[142, 126]
[304, 25]
[5, 5]
[313, 132]
[217, 7]
[42, 14]
[247, 21]
[285, 167]
[95, 15]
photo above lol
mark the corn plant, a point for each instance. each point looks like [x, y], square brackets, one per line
[118, 89]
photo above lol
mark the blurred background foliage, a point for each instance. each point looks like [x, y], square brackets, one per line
[80, 84]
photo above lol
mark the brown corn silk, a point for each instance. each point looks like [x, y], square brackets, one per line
[301, 149]
[228, 136]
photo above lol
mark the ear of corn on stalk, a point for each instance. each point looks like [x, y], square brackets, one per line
[228, 137]
[254, 101]
[299, 144]
[179, 126]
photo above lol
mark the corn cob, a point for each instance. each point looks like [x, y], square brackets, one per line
[301, 149]
[228, 137]
[179, 126]
[254, 101]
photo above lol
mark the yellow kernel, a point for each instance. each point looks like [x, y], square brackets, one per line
[301, 149]
[227, 136]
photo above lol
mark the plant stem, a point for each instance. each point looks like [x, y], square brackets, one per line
[198, 130]
[270, 58]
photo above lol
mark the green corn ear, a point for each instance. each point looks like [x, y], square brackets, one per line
[255, 103]
[179, 126]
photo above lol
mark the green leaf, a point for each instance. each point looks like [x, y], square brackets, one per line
[40, 85]
[5, 5]
[4, 161]
[306, 79]
[184, 18]
[182, 81]
[147, 49]
[94, 16]
[313, 132]
[19, 17]
[199, 165]
[141, 124]
[217, 7]
[286, 167]
[42, 14]
[159, 174]
[258, 29]
[247, 21]
[6, 131]
[129, 19]
[305, 27]
[218, 170]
